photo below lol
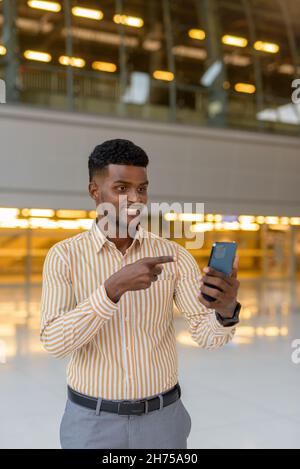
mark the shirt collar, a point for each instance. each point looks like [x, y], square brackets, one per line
[100, 239]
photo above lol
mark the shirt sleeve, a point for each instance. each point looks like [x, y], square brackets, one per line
[66, 326]
[203, 325]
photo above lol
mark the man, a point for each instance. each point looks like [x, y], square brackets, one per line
[107, 302]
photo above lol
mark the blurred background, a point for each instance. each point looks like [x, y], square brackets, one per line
[205, 87]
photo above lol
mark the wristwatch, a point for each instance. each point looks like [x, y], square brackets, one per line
[227, 322]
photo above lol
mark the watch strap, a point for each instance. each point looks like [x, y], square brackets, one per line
[228, 322]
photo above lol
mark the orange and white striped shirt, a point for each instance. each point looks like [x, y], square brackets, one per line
[124, 350]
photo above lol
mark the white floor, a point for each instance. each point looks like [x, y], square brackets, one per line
[245, 395]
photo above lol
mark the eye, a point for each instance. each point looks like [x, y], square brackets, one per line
[142, 189]
[122, 188]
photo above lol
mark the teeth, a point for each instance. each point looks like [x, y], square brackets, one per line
[132, 211]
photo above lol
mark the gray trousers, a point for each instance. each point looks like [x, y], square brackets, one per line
[83, 428]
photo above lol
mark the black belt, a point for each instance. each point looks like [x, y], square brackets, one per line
[126, 407]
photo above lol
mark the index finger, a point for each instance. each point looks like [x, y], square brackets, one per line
[235, 267]
[215, 273]
[210, 271]
[161, 260]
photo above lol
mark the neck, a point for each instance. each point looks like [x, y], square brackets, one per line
[122, 243]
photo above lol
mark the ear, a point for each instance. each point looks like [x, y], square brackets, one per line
[94, 191]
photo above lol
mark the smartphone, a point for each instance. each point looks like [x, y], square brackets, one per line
[221, 258]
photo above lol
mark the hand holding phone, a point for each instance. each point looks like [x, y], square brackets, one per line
[221, 259]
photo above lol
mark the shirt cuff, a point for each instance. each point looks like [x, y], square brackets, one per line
[102, 304]
[218, 328]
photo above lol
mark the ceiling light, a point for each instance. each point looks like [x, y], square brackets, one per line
[73, 61]
[201, 227]
[8, 213]
[87, 13]
[129, 21]
[249, 227]
[234, 41]
[104, 67]
[245, 88]
[266, 47]
[38, 212]
[71, 213]
[85, 223]
[163, 75]
[170, 216]
[246, 219]
[272, 220]
[197, 34]
[54, 7]
[44, 223]
[191, 217]
[37, 56]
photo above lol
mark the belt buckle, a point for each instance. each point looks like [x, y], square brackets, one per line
[122, 406]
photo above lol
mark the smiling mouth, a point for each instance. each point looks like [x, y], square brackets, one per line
[132, 211]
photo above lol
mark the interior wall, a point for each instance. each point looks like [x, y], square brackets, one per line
[44, 157]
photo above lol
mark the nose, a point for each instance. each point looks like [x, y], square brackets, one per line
[133, 197]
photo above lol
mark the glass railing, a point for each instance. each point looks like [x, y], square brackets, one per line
[212, 63]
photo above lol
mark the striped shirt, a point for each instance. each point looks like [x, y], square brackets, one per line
[123, 350]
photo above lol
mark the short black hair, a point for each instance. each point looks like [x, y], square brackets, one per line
[116, 151]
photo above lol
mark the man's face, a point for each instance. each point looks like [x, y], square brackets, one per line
[120, 180]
